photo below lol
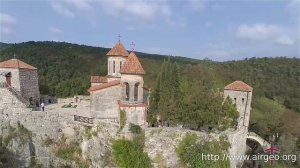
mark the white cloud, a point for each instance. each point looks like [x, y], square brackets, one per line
[258, 31]
[7, 23]
[55, 30]
[61, 9]
[265, 32]
[284, 40]
[139, 10]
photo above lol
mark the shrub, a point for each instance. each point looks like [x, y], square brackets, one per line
[136, 129]
[192, 153]
[129, 154]
[69, 152]
[122, 119]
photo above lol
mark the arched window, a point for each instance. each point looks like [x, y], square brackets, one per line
[136, 91]
[120, 65]
[126, 87]
[114, 67]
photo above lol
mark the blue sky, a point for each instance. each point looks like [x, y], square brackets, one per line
[218, 30]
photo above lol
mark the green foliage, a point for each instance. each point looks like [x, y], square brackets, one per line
[7, 157]
[65, 69]
[129, 154]
[191, 103]
[136, 129]
[69, 106]
[69, 151]
[191, 152]
[122, 119]
[160, 160]
[88, 132]
[165, 101]
[266, 116]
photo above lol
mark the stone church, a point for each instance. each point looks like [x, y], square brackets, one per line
[121, 89]
[20, 79]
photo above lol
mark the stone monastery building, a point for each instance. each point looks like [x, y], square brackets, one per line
[21, 79]
[121, 89]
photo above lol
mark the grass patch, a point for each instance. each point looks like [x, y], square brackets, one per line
[69, 106]
[160, 160]
[122, 119]
[69, 152]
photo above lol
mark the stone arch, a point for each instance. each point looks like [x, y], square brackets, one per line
[262, 142]
[136, 91]
[126, 91]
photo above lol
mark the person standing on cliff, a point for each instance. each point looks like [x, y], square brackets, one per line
[43, 106]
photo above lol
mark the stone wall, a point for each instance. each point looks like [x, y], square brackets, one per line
[132, 80]
[136, 115]
[238, 137]
[29, 85]
[104, 103]
[8, 100]
[15, 80]
[243, 105]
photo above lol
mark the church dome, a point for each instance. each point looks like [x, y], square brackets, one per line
[118, 50]
[132, 65]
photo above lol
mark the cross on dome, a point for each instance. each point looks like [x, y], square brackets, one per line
[119, 37]
[132, 46]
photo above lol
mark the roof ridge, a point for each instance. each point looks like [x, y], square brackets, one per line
[16, 63]
[238, 86]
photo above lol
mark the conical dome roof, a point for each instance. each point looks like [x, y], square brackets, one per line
[118, 50]
[132, 65]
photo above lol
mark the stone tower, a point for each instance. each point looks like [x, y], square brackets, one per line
[116, 58]
[21, 78]
[132, 80]
[241, 95]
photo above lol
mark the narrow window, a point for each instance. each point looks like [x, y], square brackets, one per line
[243, 100]
[120, 65]
[136, 91]
[234, 100]
[109, 71]
[126, 91]
[114, 67]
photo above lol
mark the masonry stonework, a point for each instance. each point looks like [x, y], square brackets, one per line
[104, 102]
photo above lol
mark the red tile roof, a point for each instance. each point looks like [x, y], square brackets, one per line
[239, 86]
[118, 50]
[98, 79]
[104, 85]
[132, 65]
[15, 63]
[121, 104]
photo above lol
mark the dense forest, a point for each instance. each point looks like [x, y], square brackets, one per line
[185, 90]
[65, 70]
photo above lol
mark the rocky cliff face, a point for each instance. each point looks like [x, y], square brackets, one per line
[54, 139]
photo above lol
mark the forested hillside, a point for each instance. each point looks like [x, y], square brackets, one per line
[65, 69]
[185, 91]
